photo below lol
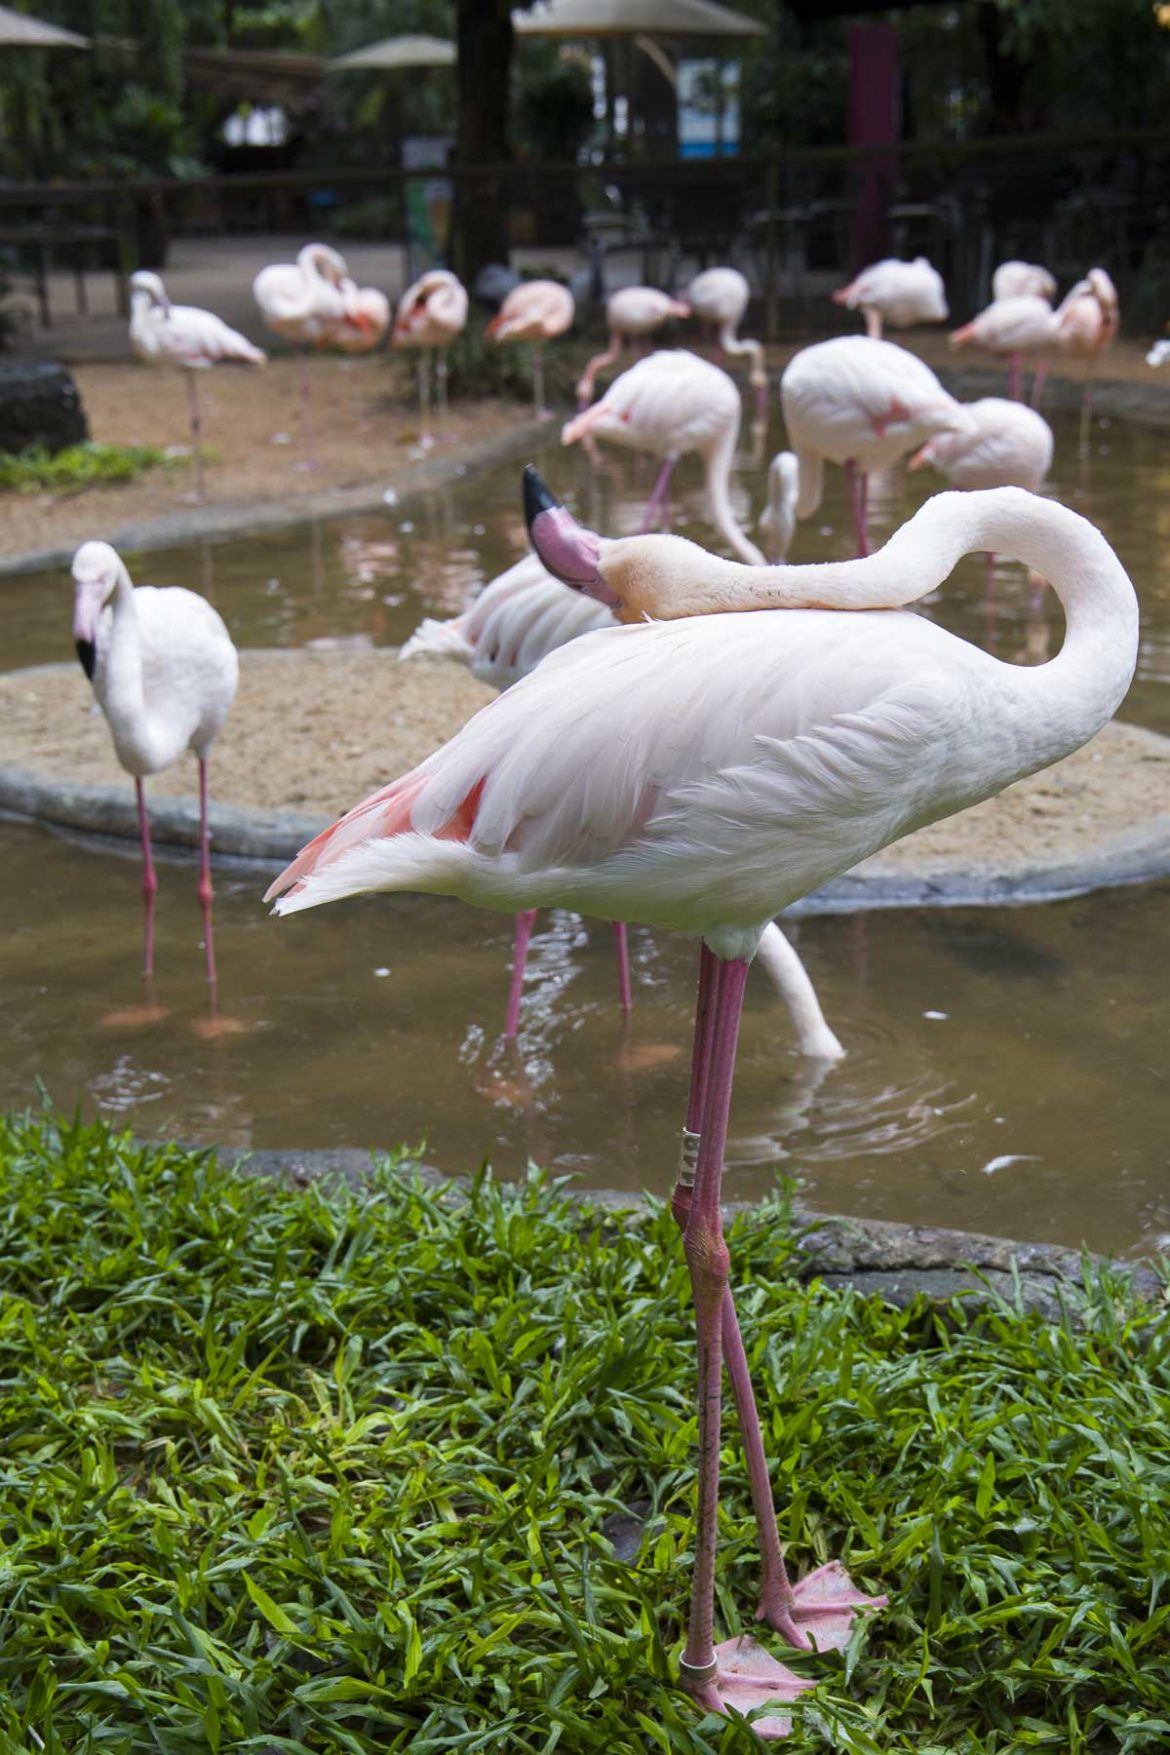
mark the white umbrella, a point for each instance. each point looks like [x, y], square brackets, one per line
[629, 18]
[395, 52]
[19, 31]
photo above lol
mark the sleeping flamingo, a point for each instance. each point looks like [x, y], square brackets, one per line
[535, 311]
[630, 313]
[721, 296]
[897, 293]
[188, 337]
[1087, 321]
[1019, 328]
[514, 623]
[430, 314]
[861, 403]
[305, 302]
[1014, 279]
[164, 670]
[668, 404]
[364, 320]
[699, 774]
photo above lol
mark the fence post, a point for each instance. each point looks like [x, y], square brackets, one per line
[771, 289]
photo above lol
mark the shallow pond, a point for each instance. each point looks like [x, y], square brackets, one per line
[1006, 1068]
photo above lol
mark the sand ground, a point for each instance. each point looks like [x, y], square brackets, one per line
[294, 742]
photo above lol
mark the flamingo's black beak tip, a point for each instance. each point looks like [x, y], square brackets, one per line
[538, 496]
[87, 655]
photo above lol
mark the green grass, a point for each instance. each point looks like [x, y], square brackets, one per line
[79, 466]
[291, 1470]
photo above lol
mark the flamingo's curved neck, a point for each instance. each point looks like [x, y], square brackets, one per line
[732, 343]
[120, 657]
[717, 463]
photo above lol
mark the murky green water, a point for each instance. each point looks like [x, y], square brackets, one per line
[1007, 1068]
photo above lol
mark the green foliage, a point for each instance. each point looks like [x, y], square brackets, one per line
[554, 110]
[479, 368]
[78, 467]
[331, 1472]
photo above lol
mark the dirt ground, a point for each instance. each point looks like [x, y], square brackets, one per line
[294, 742]
[364, 413]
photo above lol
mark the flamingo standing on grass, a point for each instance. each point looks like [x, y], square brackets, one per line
[536, 311]
[720, 296]
[898, 293]
[860, 403]
[164, 670]
[430, 314]
[699, 774]
[631, 313]
[514, 623]
[670, 403]
[305, 302]
[188, 337]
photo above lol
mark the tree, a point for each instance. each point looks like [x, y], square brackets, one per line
[485, 40]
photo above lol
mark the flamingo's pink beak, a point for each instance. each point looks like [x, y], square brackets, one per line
[841, 295]
[88, 600]
[569, 551]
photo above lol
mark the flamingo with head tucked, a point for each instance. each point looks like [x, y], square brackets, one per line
[631, 313]
[536, 311]
[699, 773]
[188, 337]
[1087, 322]
[430, 315]
[305, 302]
[164, 670]
[1020, 327]
[720, 296]
[365, 319]
[1015, 279]
[513, 625]
[860, 403]
[670, 403]
[898, 293]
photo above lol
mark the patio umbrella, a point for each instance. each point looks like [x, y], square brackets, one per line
[395, 52]
[19, 31]
[632, 18]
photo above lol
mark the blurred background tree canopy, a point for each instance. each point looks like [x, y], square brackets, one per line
[970, 68]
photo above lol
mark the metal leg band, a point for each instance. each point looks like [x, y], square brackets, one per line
[688, 1158]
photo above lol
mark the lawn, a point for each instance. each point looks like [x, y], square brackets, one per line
[314, 1470]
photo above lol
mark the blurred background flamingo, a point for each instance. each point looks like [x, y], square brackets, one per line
[536, 311]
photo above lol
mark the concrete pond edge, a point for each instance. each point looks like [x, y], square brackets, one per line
[896, 1261]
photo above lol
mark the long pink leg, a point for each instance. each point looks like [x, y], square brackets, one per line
[1039, 378]
[857, 486]
[149, 880]
[310, 460]
[196, 419]
[524, 924]
[1015, 374]
[204, 886]
[659, 493]
[622, 946]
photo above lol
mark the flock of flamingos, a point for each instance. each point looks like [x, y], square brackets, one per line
[683, 740]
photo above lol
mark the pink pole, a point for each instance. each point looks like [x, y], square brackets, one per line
[196, 418]
[203, 889]
[524, 924]
[622, 946]
[149, 880]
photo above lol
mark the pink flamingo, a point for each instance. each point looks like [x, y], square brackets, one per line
[714, 770]
[1087, 321]
[861, 403]
[535, 311]
[1015, 279]
[720, 296]
[365, 318]
[305, 302]
[514, 623]
[670, 403]
[164, 670]
[430, 315]
[1018, 328]
[188, 337]
[630, 314]
[897, 293]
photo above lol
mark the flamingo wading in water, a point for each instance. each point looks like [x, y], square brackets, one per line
[670, 403]
[863, 404]
[898, 293]
[701, 773]
[188, 337]
[535, 311]
[630, 314]
[514, 623]
[305, 302]
[164, 670]
[1021, 327]
[720, 296]
[430, 314]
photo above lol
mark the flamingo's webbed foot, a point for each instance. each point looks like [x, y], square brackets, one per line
[745, 1677]
[822, 1610]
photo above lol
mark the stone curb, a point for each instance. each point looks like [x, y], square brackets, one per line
[200, 523]
[898, 1262]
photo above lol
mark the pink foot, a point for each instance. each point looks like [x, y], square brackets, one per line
[823, 1610]
[746, 1678]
